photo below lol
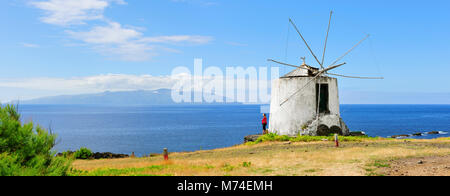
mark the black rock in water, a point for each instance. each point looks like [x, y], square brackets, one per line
[399, 136]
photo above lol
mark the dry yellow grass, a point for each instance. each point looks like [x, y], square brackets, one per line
[274, 158]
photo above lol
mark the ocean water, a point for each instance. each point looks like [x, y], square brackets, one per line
[149, 129]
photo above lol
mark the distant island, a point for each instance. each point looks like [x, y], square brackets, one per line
[122, 98]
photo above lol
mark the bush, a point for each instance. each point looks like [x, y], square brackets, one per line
[246, 164]
[83, 153]
[272, 137]
[26, 149]
[66, 154]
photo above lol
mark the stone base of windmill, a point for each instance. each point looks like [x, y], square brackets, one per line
[325, 126]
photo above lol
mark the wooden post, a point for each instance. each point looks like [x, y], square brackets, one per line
[132, 155]
[166, 154]
[336, 140]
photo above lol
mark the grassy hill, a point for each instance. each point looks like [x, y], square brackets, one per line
[355, 157]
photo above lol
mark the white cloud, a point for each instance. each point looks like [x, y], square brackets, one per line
[69, 12]
[114, 33]
[28, 45]
[91, 84]
[112, 39]
[178, 38]
[130, 44]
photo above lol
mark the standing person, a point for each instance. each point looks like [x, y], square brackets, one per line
[264, 124]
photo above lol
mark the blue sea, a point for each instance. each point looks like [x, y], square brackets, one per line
[180, 128]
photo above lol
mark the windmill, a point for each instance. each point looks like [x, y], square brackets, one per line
[299, 107]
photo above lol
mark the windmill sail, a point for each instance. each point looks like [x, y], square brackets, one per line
[357, 77]
[326, 40]
[306, 43]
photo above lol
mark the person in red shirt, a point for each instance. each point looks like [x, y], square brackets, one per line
[264, 124]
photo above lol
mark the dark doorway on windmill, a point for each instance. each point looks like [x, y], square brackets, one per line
[324, 98]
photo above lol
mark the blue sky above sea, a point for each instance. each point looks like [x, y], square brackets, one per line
[54, 47]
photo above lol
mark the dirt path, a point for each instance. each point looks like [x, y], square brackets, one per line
[421, 166]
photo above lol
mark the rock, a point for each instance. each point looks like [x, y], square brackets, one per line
[109, 155]
[154, 155]
[433, 133]
[251, 138]
[357, 133]
[99, 155]
[399, 136]
[417, 134]
[324, 126]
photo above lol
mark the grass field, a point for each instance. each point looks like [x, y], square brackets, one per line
[355, 157]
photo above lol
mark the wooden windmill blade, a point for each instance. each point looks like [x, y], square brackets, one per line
[315, 77]
[331, 67]
[326, 40]
[290, 65]
[306, 43]
[351, 49]
[357, 77]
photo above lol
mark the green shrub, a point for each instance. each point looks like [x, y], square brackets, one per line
[227, 167]
[83, 153]
[67, 154]
[144, 171]
[246, 164]
[26, 149]
[271, 137]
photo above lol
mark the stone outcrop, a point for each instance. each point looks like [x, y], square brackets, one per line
[109, 155]
[400, 136]
[326, 124]
[357, 133]
[100, 155]
[251, 138]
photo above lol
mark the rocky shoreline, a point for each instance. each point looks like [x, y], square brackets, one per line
[100, 155]
[419, 134]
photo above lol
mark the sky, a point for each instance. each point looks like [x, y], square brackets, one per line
[54, 47]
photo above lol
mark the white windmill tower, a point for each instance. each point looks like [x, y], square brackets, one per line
[306, 100]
